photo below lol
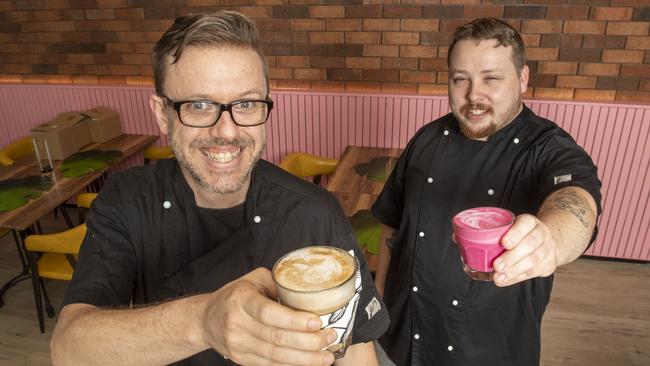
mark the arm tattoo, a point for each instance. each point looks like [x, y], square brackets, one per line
[390, 242]
[568, 200]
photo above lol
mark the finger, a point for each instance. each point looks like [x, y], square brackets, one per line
[269, 312]
[522, 226]
[541, 269]
[309, 341]
[516, 252]
[257, 350]
[262, 278]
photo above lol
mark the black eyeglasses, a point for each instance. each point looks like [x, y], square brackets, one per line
[206, 113]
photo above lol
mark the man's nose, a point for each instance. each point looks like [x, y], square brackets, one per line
[474, 91]
[225, 126]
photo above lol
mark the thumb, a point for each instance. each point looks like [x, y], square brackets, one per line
[261, 277]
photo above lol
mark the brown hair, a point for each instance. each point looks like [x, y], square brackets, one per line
[217, 28]
[492, 28]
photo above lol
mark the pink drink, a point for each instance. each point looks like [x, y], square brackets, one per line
[478, 233]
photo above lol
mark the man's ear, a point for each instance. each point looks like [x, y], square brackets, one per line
[157, 105]
[523, 79]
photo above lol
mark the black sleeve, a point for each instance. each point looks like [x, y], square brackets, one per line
[106, 269]
[566, 164]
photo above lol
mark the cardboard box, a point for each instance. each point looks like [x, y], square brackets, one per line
[63, 136]
[104, 124]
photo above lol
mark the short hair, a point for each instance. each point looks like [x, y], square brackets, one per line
[491, 28]
[222, 28]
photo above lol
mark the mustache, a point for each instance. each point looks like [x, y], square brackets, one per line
[221, 142]
[467, 107]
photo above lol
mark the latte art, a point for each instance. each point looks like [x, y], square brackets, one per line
[314, 269]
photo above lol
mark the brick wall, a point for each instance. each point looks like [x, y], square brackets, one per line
[578, 49]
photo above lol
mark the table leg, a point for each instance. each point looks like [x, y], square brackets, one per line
[19, 237]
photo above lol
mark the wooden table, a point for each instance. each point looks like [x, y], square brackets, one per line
[22, 218]
[358, 180]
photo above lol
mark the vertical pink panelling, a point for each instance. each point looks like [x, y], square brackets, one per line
[323, 123]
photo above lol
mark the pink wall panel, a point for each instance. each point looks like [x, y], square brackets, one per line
[322, 123]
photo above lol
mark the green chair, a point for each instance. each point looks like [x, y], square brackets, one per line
[306, 165]
[16, 150]
[157, 152]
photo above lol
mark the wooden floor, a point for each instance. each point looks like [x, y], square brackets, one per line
[599, 314]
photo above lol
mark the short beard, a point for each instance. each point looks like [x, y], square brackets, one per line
[201, 181]
[490, 129]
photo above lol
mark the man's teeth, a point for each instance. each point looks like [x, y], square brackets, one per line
[222, 157]
[477, 112]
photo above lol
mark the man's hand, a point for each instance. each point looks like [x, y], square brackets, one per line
[531, 251]
[243, 323]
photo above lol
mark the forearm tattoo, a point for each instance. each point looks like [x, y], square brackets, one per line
[568, 200]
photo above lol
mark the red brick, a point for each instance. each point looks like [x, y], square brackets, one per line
[645, 85]
[629, 28]
[541, 26]
[594, 95]
[627, 96]
[85, 80]
[328, 85]
[417, 51]
[542, 80]
[630, 83]
[402, 11]
[129, 13]
[400, 63]
[432, 89]
[100, 14]
[293, 84]
[281, 12]
[602, 41]
[460, 1]
[381, 24]
[293, 61]
[442, 11]
[309, 74]
[344, 74]
[256, 12]
[580, 55]
[273, 24]
[526, 11]
[280, 73]
[406, 76]
[450, 25]
[635, 70]
[326, 37]
[363, 62]
[327, 62]
[44, 15]
[553, 93]
[400, 38]
[362, 86]
[610, 13]
[442, 77]
[542, 54]
[136, 59]
[380, 75]
[381, 50]
[437, 64]
[419, 25]
[363, 11]
[482, 11]
[435, 38]
[345, 50]
[638, 43]
[139, 81]
[573, 12]
[531, 40]
[642, 13]
[623, 56]
[276, 49]
[327, 11]
[599, 69]
[307, 24]
[363, 37]
[579, 82]
[560, 68]
[629, 2]
[343, 24]
[584, 27]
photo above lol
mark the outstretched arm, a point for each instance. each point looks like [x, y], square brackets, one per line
[385, 247]
[559, 234]
[240, 321]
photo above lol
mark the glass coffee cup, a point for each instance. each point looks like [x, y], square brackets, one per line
[321, 280]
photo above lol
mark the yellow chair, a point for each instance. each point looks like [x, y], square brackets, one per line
[157, 152]
[16, 150]
[54, 256]
[306, 165]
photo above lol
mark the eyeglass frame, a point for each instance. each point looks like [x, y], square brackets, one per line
[176, 105]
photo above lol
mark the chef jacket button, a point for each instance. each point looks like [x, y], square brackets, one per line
[450, 348]
[491, 192]
[454, 302]
[516, 140]
[257, 219]
[415, 289]
[416, 336]
[421, 234]
[430, 180]
[446, 133]
[167, 204]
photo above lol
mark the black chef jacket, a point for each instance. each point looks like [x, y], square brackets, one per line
[145, 243]
[439, 316]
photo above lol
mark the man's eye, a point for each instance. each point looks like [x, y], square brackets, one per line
[244, 105]
[200, 106]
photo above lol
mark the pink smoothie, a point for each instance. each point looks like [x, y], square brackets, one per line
[478, 233]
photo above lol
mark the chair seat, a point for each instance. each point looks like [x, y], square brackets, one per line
[54, 266]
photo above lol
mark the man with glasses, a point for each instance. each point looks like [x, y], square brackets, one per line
[175, 264]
